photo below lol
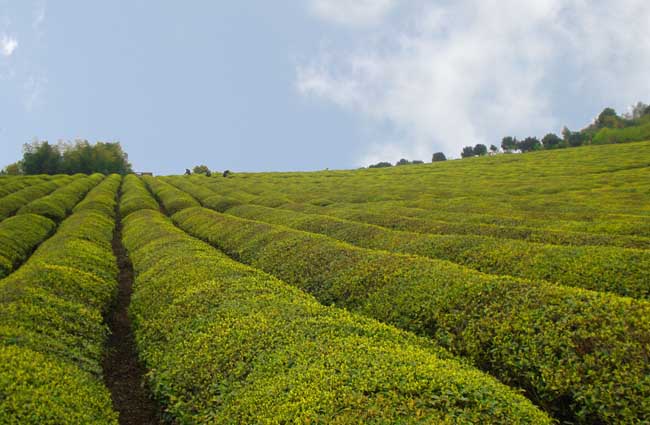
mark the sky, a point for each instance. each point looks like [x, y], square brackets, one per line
[257, 85]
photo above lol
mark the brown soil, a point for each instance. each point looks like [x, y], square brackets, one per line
[123, 374]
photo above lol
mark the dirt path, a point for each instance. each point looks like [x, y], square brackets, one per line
[123, 374]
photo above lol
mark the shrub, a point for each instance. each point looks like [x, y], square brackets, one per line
[135, 196]
[19, 236]
[12, 203]
[562, 345]
[172, 198]
[228, 344]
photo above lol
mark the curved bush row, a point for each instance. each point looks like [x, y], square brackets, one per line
[135, 196]
[60, 203]
[51, 327]
[12, 203]
[19, 236]
[619, 270]
[17, 183]
[400, 218]
[579, 354]
[207, 197]
[226, 343]
[102, 197]
[172, 198]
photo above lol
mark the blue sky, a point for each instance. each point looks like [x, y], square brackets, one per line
[313, 84]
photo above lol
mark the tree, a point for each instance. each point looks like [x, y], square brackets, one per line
[403, 162]
[509, 144]
[438, 156]
[417, 162]
[40, 158]
[467, 152]
[573, 138]
[551, 141]
[202, 169]
[529, 144]
[609, 119]
[12, 169]
[379, 165]
[480, 149]
[494, 149]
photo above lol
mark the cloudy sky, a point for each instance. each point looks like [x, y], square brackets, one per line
[310, 84]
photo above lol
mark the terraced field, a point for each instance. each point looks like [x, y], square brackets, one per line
[506, 289]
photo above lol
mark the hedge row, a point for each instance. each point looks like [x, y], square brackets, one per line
[135, 196]
[225, 343]
[622, 271]
[19, 236]
[16, 184]
[207, 197]
[397, 218]
[172, 198]
[579, 354]
[12, 203]
[51, 327]
[60, 203]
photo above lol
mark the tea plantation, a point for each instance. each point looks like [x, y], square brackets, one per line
[510, 289]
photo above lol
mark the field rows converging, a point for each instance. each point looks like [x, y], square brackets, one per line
[405, 295]
[265, 352]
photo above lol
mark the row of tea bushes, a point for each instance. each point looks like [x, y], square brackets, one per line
[51, 328]
[206, 196]
[60, 203]
[619, 270]
[170, 197]
[416, 220]
[19, 236]
[135, 196]
[15, 184]
[12, 203]
[226, 343]
[581, 355]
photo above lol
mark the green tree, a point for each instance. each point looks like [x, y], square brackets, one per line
[467, 152]
[438, 156]
[494, 149]
[41, 158]
[12, 169]
[529, 144]
[551, 141]
[202, 169]
[480, 149]
[509, 143]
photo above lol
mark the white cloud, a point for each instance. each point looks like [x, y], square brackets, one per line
[466, 72]
[8, 45]
[353, 12]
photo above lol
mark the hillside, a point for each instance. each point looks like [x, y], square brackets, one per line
[511, 288]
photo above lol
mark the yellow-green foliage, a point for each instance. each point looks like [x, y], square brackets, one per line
[612, 269]
[135, 196]
[206, 196]
[51, 326]
[13, 184]
[19, 236]
[582, 355]
[11, 203]
[172, 198]
[228, 344]
[102, 197]
[61, 202]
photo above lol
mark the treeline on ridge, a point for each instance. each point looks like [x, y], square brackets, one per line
[41, 157]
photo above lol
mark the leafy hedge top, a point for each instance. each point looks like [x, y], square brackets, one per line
[228, 344]
[51, 327]
[579, 354]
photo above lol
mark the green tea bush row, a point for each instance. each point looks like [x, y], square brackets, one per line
[135, 196]
[391, 217]
[51, 327]
[207, 197]
[620, 270]
[226, 343]
[102, 197]
[60, 203]
[581, 355]
[15, 184]
[12, 203]
[19, 236]
[172, 198]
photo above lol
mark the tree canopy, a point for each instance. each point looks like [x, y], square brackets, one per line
[41, 157]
